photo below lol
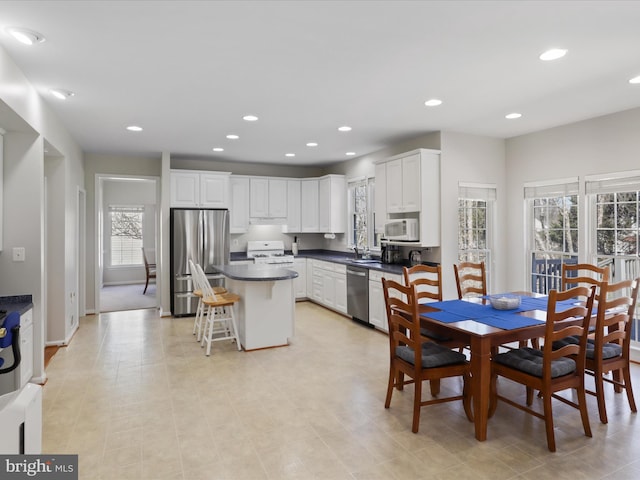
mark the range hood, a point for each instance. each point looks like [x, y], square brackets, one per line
[267, 221]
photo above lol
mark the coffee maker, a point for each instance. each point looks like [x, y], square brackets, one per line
[390, 253]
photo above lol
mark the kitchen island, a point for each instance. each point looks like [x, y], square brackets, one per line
[266, 311]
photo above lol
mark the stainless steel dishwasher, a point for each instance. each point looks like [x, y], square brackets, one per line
[358, 293]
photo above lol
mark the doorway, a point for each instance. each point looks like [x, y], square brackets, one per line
[126, 222]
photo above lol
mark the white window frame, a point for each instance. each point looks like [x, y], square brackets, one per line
[623, 267]
[112, 208]
[489, 194]
[548, 189]
[369, 182]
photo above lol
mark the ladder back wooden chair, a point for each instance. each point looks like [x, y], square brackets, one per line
[417, 357]
[428, 282]
[583, 274]
[551, 370]
[198, 321]
[219, 319]
[608, 351]
[471, 279]
[149, 267]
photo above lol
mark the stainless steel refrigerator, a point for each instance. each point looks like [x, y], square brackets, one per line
[201, 235]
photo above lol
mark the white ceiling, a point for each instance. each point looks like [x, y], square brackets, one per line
[187, 71]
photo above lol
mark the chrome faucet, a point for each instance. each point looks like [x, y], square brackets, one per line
[355, 251]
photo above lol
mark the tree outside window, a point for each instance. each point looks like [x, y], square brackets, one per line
[126, 235]
[361, 215]
[554, 233]
[476, 205]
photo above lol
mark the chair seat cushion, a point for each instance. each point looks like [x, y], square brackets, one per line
[573, 340]
[609, 350]
[529, 360]
[433, 355]
[433, 335]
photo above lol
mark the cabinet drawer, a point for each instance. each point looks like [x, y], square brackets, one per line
[339, 268]
[376, 276]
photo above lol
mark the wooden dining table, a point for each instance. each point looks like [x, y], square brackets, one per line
[482, 339]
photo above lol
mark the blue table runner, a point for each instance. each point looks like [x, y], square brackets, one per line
[458, 310]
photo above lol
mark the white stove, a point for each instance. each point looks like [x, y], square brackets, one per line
[268, 252]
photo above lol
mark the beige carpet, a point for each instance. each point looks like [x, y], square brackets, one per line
[115, 298]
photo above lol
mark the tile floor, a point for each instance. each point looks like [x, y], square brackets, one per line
[135, 397]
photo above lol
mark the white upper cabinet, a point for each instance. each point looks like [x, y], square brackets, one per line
[332, 205]
[309, 205]
[214, 190]
[323, 204]
[411, 183]
[294, 207]
[277, 197]
[403, 184]
[268, 198]
[185, 189]
[194, 189]
[239, 208]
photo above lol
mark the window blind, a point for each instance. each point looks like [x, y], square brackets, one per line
[562, 189]
[618, 183]
[477, 192]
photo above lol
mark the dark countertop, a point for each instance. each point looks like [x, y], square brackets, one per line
[256, 273]
[16, 303]
[344, 258]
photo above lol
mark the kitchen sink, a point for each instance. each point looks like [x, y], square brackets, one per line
[365, 260]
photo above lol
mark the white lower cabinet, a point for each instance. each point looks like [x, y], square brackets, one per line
[377, 308]
[341, 290]
[329, 283]
[26, 347]
[300, 283]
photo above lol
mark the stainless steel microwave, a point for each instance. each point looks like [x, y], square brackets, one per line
[402, 229]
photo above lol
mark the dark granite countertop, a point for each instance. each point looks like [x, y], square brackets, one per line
[16, 303]
[256, 273]
[347, 258]
[344, 258]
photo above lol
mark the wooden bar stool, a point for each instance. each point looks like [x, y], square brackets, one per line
[200, 311]
[219, 319]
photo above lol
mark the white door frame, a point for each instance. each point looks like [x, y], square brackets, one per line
[81, 254]
[99, 222]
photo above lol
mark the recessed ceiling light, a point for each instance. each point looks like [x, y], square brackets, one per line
[134, 128]
[553, 54]
[233, 137]
[61, 94]
[218, 149]
[434, 102]
[250, 118]
[26, 36]
[312, 144]
[350, 154]
[635, 80]
[344, 128]
[512, 116]
[289, 154]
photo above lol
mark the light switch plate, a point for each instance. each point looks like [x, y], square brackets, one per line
[18, 254]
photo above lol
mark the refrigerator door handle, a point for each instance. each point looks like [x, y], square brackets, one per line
[202, 229]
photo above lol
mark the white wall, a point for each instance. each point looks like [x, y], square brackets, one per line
[29, 122]
[601, 145]
[104, 164]
[470, 159]
[55, 243]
